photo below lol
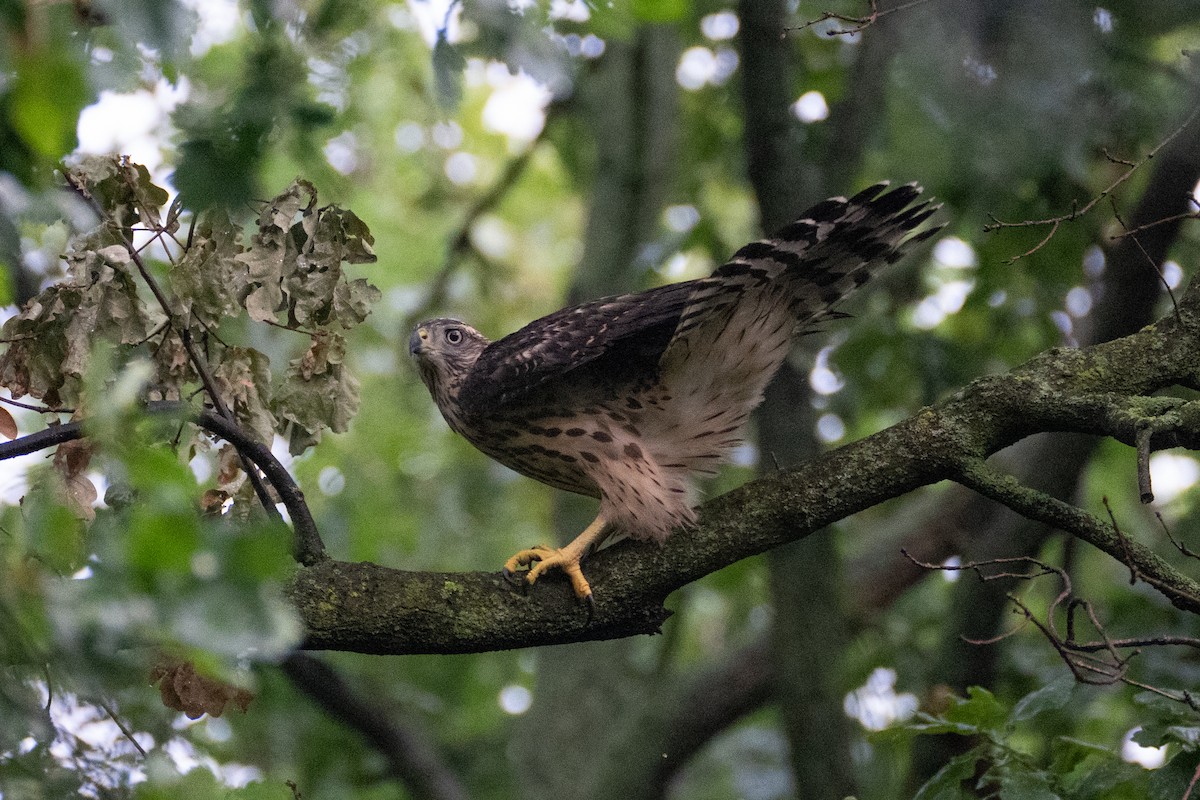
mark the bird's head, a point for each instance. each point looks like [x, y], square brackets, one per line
[445, 350]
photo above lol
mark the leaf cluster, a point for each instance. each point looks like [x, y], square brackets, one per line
[111, 311]
[1007, 754]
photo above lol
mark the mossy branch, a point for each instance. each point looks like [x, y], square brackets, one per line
[1103, 390]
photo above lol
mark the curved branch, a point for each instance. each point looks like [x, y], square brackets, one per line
[410, 759]
[374, 609]
[309, 548]
[1101, 390]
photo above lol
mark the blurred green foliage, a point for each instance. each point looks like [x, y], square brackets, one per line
[382, 117]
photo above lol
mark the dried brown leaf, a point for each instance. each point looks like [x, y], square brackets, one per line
[8, 425]
[184, 689]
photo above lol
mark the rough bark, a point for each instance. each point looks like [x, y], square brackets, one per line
[1101, 390]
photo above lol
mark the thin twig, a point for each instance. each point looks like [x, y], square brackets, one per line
[1133, 570]
[859, 24]
[39, 409]
[1179, 545]
[1157, 222]
[1153, 264]
[1077, 212]
[124, 730]
[199, 363]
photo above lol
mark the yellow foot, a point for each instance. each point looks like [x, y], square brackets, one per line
[544, 559]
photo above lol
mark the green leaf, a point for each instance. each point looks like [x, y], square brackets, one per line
[1025, 786]
[46, 97]
[161, 545]
[981, 709]
[1050, 697]
[1172, 780]
[947, 783]
[934, 727]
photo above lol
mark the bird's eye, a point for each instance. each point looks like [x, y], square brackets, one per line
[454, 336]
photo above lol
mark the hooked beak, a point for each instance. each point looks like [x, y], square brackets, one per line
[417, 341]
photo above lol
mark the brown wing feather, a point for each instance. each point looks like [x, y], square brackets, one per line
[627, 333]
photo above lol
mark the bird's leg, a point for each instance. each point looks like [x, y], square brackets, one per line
[565, 558]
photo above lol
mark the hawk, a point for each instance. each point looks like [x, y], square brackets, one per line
[628, 398]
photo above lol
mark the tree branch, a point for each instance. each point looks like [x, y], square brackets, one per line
[409, 757]
[304, 527]
[1101, 390]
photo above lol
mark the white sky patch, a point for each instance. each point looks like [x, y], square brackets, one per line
[947, 300]
[1078, 302]
[342, 152]
[830, 428]
[570, 10]
[591, 46]
[981, 71]
[1103, 19]
[675, 266]
[132, 123]
[1196, 196]
[1172, 273]
[331, 481]
[202, 467]
[1093, 262]
[681, 218]
[811, 107]
[431, 17]
[951, 575]
[1063, 322]
[951, 251]
[744, 455]
[186, 758]
[720, 26]
[447, 135]
[461, 168]
[1148, 757]
[219, 22]
[409, 137]
[822, 379]
[516, 107]
[493, 237]
[1172, 474]
[876, 705]
[515, 699]
[699, 66]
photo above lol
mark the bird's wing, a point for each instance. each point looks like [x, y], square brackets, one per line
[808, 266]
[619, 338]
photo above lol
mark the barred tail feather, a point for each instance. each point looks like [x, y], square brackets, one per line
[738, 324]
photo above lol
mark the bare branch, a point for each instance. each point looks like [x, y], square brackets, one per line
[258, 454]
[1076, 212]
[1133, 573]
[857, 24]
[409, 757]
